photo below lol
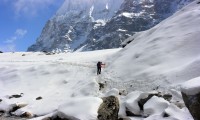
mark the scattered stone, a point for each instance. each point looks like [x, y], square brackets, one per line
[38, 98]
[123, 92]
[167, 97]
[156, 88]
[26, 115]
[1, 113]
[50, 53]
[101, 86]
[109, 109]
[125, 43]
[192, 102]
[165, 115]
[15, 96]
[15, 107]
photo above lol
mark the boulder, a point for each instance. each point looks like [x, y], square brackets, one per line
[192, 102]
[38, 98]
[26, 115]
[101, 86]
[191, 95]
[109, 109]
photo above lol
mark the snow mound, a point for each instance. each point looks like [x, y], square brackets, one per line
[155, 106]
[87, 108]
[132, 99]
[191, 87]
[164, 56]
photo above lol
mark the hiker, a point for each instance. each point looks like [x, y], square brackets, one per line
[99, 65]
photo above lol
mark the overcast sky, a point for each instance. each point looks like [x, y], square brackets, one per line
[21, 21]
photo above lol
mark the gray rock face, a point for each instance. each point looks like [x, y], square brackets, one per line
[193, 104]
[109, 109]
[101, 24]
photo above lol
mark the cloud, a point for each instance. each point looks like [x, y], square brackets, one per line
[8, 48]
[19, 33]
[10, 42]
[31, 7]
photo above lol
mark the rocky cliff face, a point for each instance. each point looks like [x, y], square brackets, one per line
[92, 24]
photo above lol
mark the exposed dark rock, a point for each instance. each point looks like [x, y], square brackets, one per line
[50, 53]
[125, 43]
[15, 96]
[193, 104]
[129, 113]
[124, 118]
[165, 115]
[156, 88]
[2, 112]
[198, 2]
[38, 98]
[15, 107]
[1, 100]
[26, 115]
[109, 109]
[167, 97]
[23, 54]
[101, 86]
[1, 52]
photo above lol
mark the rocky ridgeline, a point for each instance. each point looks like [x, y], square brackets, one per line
[102, 28]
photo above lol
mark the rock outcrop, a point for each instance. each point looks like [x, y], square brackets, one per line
[191, 96]
[109, 109]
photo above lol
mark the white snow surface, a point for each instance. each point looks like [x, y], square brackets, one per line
[155, 106]
[64, 81]
[191, 87]
[132, 101]
[164, 56]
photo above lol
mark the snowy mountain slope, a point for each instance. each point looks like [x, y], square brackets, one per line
[163, 56]
[101, 24]
[66, 83]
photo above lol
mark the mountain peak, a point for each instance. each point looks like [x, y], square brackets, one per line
[95, 8]
[101, 24]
